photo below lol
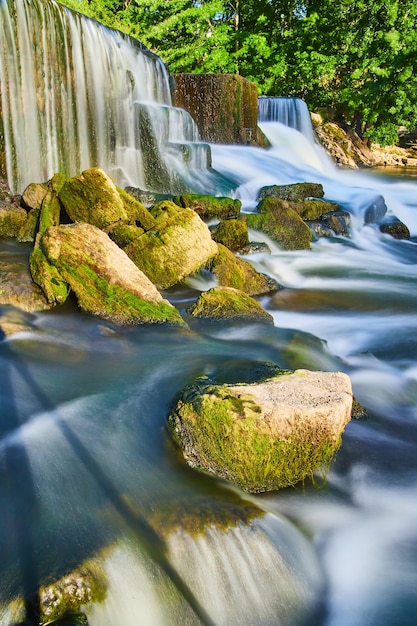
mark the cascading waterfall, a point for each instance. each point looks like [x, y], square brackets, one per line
[75, 94]
[292, 112]
[86, 467]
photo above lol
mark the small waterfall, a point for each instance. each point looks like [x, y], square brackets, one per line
[291, 112]
[74, 94]
[264, 574]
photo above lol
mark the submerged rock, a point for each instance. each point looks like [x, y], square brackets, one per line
[265, 435]
[179, 245]
[225, 303]
[106, 282]
[395, 228]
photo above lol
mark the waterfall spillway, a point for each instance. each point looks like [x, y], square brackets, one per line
[74, 94]
[291, 112]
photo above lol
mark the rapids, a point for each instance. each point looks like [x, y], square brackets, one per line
[87, 469]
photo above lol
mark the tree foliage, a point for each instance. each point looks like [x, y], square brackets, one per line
[357, 57]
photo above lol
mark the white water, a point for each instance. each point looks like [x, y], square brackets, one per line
[83, 418]
[72, 96]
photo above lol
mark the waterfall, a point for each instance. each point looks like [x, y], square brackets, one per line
[75, 94]
[292, 112]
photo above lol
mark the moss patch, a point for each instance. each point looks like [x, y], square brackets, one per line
[231, 233]
[225, 303]
[136, 212]
[209, 207]
[180, 246]
[231, 271]
[113, 302]
[282, 224]
[92, 197]
[294, 192]
[48, 278]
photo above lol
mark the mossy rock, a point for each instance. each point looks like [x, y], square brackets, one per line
[163, 211]
[231, 233]
[48, 278]
[33, 195]
[28, 230]
[293, 193]
[50, 212]
[136, 212]
[282, 224]
[92, 197]
[209, 207]
[227, 304]
[123, 234]
[232, 271]
[266, 435]
[312, 210]
[105, 281]
[12, 220]
[178, 247]
[395, 228]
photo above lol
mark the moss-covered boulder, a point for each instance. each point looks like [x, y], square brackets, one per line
[232, 271]
[12, 220]
[231, 233]
[18, 289]
[105, 281]
[45, 275]
[179, 246]
[123, 234]
[136, 212]
[264, 435]
[227, 304]
[293, 193]
[276, 219]
[92, 197]
[209, 207]
[33, 195]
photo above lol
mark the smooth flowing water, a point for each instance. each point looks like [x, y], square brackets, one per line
[87, 469]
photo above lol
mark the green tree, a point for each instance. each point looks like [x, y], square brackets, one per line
[358, 58]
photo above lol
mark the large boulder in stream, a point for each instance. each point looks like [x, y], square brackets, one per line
[106, 282]
[264, 434]
[178, 246]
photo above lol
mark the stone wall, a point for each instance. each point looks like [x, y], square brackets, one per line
[224, 106]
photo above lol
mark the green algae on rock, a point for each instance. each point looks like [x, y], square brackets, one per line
[226, 303]
[231, 233]
[232, 271]
[209, 207]
[93, 197]
[294, 192]
[105, 281]
[266, 435]
[179, 246]
[277, 220]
